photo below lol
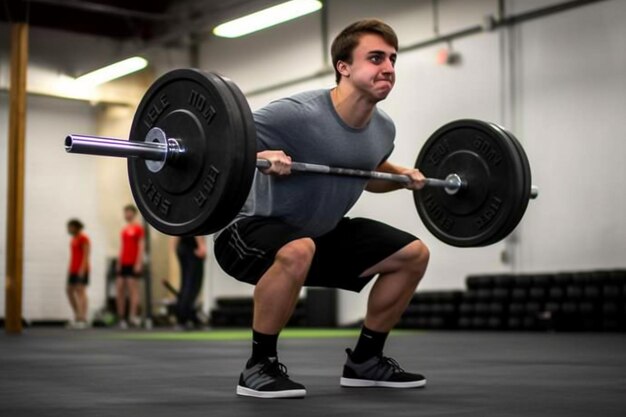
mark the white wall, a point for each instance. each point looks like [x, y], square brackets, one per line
[57, 187]
[571, 79]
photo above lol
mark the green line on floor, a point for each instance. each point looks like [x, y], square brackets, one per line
[236, 334]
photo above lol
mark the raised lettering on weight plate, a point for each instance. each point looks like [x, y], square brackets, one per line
[200, 103]
[491, 155]
[436, 213]
[156, 108]
[489, 214]
[437, 153]
[207, 187]
[157, 199]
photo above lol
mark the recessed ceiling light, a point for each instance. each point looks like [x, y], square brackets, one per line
[266, 18]
[113, 71]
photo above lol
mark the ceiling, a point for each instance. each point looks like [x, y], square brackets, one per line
[144, 20]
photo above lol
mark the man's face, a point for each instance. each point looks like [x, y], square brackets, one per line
[72, 230]
[372, 69]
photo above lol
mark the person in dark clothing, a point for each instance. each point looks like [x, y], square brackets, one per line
[191, 253]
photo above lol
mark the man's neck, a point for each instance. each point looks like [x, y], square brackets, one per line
[352, 106]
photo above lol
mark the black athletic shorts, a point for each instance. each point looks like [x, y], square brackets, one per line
[128, 271]
[247, 248]
[75, 279]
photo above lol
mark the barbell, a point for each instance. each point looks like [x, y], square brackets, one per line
[192, 157]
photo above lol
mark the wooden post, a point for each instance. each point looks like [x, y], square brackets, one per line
[15, 183]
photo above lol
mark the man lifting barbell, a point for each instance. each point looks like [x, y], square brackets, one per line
[193, 156]
[292, 232]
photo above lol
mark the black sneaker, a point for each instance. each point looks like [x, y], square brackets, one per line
[378, 371]
[268, 379]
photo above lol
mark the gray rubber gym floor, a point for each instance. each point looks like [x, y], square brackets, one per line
[54, 372]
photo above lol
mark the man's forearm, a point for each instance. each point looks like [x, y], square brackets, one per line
[382, 186]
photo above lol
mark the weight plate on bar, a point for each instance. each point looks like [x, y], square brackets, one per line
[483, 156]
[248, 146]
[525, 198]
[195, 194]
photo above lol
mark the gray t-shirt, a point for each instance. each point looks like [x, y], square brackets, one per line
[308, 129]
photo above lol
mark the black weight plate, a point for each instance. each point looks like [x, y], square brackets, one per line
[514, 221]
[241, 182]
[249, 146]
[513, 218]
[246, 129]
[483, 156]
[193, 195]
[517, 214]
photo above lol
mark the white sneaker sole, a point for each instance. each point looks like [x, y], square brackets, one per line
[293, 393]
[366, 383]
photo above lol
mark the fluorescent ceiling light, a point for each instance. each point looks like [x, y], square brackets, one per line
[267, 18]
[113, 71]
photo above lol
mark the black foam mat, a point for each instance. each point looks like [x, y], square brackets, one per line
[53, 372]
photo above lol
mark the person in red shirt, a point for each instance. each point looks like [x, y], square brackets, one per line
[129, 268]
[78, 273]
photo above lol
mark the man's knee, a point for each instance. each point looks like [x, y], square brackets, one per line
[296, 257]
[417, 256]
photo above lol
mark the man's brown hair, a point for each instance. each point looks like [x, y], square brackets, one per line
[345, 43]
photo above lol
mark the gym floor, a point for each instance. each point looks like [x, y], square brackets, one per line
[58, 372]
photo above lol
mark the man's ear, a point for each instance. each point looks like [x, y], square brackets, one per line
[343, 68]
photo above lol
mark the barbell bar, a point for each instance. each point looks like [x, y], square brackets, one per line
[195, 178]
[157, 150]
[155, 153]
